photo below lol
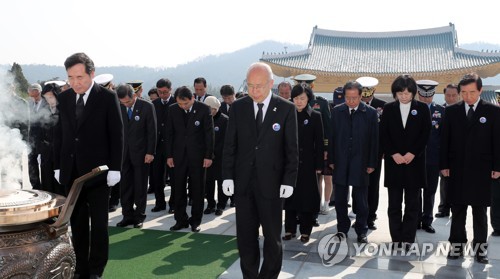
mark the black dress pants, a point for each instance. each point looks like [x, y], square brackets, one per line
[403, 228]
[458, 234]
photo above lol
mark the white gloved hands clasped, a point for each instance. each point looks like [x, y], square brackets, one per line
[113, 178]
[228, 187]
[56, 175]
[286, 191]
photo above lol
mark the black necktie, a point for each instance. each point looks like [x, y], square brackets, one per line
[79, 106]
[186, 117]
[470, 112]
[258, 119]
[352, 112]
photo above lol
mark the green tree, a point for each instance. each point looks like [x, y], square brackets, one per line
[20, 82]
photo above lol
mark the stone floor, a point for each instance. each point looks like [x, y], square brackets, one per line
[304, 260]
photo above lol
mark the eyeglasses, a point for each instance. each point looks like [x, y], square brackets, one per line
[163, 92]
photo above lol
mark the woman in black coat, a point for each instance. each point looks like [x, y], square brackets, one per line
[304, 203]
[404, 131]
[49, 183]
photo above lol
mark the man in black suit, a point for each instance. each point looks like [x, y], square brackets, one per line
[259, 166]
[139, 126]
[200, 89]
[470, 157]
[227, 93]
[368, 97]
[89, 134]
[39, 113]
[159, 166]
[190, 149]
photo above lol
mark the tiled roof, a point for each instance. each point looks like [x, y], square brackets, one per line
[414, 51]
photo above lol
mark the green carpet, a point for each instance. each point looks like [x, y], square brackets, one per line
[135, 253]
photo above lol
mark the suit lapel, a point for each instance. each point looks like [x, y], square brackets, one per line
[477, 112]
[72, 108]
[89, 105]
[270, 115]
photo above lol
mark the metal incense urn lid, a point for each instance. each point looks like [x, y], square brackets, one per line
[34, 238]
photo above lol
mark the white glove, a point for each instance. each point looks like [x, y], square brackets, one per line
[228, 187]
[286, 191]
[56, 175]
[113, 178]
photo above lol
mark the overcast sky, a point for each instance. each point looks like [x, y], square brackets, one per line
[168, 33]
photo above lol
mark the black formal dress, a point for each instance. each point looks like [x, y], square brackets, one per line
[94, 140]
[259, 163]
[404, 180]
[139, 140]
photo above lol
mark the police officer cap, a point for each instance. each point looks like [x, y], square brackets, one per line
[103, 79]
[426, 88]
[338, 96]
[136, 84]
[368, 82]
[307, 78]
[56, 82]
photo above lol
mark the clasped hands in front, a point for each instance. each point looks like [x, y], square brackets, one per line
[228, 189]
[400, 159]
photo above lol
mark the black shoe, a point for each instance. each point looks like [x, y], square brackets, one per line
[316, 223]
[304, 238]
[371, 226]
[442, 214]
[232, 204]
[209, 210]
[331, 203]
[138, 225]
[428, 228]
[112, 208]
[362, 238]
[124, 223]
[340, 236]
[171, 211]
[495, 233]
[219, 212]
[288, 236]
[482, 259]
[454, 255]
[348, 205]
[150, 190]
[158, 208]
[195, 228]
[179, 226]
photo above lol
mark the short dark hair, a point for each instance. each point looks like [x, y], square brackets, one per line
[471, 78]
[353, 85]
[123, 90]
[200, 80]
[240, 94]
[284, 83]
[403, 82]
[164, 82]
[152, 91]
[451, 86]
[80, 58]
[183, 93]
[51, 87]
[227, 90]
[299, 89]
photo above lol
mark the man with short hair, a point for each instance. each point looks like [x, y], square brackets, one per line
[470, 159]
[139, 125]
[285, 90]
[200, 89]
[190, 149]
[159, 166]
[89, 134]
[227, 93]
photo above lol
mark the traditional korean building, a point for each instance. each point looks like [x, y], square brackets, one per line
[335, 57]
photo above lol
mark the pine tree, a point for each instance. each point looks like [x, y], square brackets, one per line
[20, 82]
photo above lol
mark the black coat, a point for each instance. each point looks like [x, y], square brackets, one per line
[223, 109]
[97, 139]
[354, 144]
[161, 111]
[432, 150]
[306, 197]
[273, 153]
[220, 125]
[398, 139]
[193, 141]
[139, 132]
[470, 150]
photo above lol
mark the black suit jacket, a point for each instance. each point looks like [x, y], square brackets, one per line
[470, 150]
[398, 139]
[96, 140]
[223, 109]
[273, 153]
[220, 125]
[193, 141]
[140, 131]
[161, 111]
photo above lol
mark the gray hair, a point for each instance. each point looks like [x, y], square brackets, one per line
[123, 90]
